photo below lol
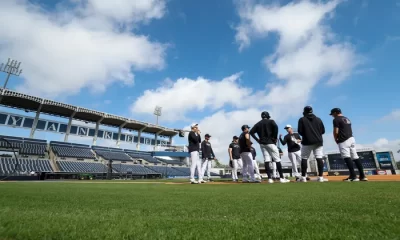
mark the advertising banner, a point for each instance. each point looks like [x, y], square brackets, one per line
[384, 160]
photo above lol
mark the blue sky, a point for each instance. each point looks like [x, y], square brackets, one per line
[126, 59]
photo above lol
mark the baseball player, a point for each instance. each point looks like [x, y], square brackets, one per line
[208, 155]
[234, 156]
[194, 140]
[267, 132]
[311, 128]
[255, 163]
[293, 141]
[245, 154]
[343, 136]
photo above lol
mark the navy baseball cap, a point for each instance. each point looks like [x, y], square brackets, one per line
[245, 126]
[207, 135]
[308, 109]
[235, 137]
[335, 110]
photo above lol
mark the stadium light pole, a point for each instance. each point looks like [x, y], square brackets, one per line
[157, 112]
[11, 68]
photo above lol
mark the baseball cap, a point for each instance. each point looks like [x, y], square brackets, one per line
[288, 126]
[335, 110]
[194, 125]
[265, 114]
[245, 126]
[308, 109]
[207, 135]
[235, 137]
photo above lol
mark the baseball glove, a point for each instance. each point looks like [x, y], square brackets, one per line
[231, 164]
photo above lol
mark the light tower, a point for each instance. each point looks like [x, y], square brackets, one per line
[11, 68]
[157, 113]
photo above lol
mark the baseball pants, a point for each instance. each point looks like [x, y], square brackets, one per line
[195, 163]
[348, 149]
[248, 169]
[316, 149]
[256, 169]
[295, 158]
[206, 165]
[270, 152]
[236, 165]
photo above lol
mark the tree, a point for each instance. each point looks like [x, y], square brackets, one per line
[218, 164]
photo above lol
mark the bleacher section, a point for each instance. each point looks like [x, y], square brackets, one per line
[25, 146]
[7, 165]
[81, 167]
[169, 171]
[341, 165]
[72, 150]
[134, 169]
[170, 162]
[115, 154]
[138, 155]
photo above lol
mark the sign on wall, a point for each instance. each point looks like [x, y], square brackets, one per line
[19, 121]
[384, 160]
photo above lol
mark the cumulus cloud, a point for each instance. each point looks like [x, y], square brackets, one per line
[307, 52]
[84, 46]
[393, 116]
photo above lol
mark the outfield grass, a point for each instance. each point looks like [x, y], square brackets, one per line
[334, 210]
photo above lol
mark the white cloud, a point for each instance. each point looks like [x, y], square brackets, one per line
[393, 116]
[189, 95]
[307, 52]
[86, 46]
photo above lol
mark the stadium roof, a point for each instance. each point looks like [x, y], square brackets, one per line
[30, 103]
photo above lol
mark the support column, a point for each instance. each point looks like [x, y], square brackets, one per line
[170, 140]
[155, 143]
[139, 135]
[96, 132]
[69, 126]
[33, 129]
[119, 133]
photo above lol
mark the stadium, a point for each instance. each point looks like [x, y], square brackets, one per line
[29, 165]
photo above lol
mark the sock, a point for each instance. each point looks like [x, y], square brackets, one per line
[360, 167]
[350, 165]
[320, 165]
[268, 169]
[304, 167]
[279, 167]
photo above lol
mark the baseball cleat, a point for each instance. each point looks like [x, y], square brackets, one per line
[270, 180]
[320, 179]
[364, 179]
[351, 180]
[284, 180]
[202, 181]
[194, 182]
[304, 179]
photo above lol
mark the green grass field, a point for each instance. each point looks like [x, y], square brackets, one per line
[74, 210]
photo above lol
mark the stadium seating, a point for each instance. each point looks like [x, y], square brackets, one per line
[81, 167]
[141, 155]
[79, 151]
[7, 165]
[26, 146]
[171, 162]
[341, 165]
[169, 171]
[134, 169]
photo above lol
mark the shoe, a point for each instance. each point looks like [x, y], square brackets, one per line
[364, 179]
[270, 180]
[194, 182]
[298, 179]
[320, 179]
[257, 181]
[202, 181]
[308, 179]
[304, 179]
[234, 180]
[284, 180]
[351, 180]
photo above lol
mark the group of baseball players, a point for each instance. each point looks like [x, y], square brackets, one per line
[300, 145]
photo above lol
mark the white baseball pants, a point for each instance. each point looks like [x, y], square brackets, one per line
[195, 163]
[236, 165]
[270, 152]
[316, 149]
[248, 169]
[295, 158]
[255, 166]
[348, 149]
[206, 165]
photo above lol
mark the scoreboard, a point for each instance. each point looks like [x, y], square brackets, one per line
[367, 158]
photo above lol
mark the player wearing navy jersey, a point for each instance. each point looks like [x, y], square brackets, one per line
[207, 155]
[194, 140]
[245, 154]
[293, 141]
[234, 156]
[343, 136]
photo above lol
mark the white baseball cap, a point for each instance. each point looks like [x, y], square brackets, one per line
[194, 125]
[288, 126]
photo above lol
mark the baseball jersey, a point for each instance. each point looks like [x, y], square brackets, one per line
[344, 125]
[243, 143]
[290, 140]
[194, 140]
[235, 150]
[206, 150]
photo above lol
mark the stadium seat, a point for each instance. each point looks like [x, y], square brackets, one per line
[134, 169]
[7, 165]
[112, 155]
[81, 167]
